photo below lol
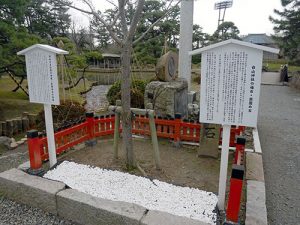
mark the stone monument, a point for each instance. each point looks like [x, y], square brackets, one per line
[169, 95]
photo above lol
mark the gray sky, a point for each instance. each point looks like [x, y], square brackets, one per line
[250, 16]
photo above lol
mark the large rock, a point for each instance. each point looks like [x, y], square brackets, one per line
[86, 209]
[168, 98]
[5, 142]
[30, 190]
[167, 65]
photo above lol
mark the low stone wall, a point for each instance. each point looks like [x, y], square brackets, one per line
[54, 197]
[256, 210]
[110, 76]
[18, 125]
[295, 80]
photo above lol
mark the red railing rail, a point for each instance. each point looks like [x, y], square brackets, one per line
[175, 129]
[234, 132]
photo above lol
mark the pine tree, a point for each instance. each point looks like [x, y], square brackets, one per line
[287, 29]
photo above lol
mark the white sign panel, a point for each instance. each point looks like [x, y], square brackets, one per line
[42, 76]
[230, 85]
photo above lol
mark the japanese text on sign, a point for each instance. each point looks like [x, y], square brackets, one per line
[230, 85]
[42, 77]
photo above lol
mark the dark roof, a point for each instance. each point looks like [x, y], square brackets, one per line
[260, 39]
[110, 55]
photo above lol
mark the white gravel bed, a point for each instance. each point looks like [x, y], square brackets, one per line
[151, 194]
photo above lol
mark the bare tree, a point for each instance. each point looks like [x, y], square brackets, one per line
[125, 38]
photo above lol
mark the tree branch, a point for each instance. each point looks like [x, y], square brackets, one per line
[135, 20]
[168, 11]
[123, 17]
[97, 17]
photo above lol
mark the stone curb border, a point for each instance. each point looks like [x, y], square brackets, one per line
[53, 197]
[256, 211]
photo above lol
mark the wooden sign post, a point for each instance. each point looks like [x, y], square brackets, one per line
[230, 89]
[43, 88]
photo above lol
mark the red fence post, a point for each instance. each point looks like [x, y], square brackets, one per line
[33, 143]
[177, 130]
[90, 128]
[235, 193]
[239, 151]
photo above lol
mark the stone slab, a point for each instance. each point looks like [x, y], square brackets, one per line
[162, 218]
[167, 98]
[254, 165]
[24, 166]
[86, 209]
[256, 211]
[30, 190]
[270, 78]
[209, 141]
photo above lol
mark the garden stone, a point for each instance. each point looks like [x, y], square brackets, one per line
[20, 142]
[5, 142]
[167, 98]
[13, 145]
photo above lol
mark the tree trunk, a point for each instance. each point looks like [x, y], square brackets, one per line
[126, 113]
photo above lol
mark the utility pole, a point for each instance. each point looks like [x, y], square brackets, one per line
[186, 40]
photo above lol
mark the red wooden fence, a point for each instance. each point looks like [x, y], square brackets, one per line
[172, 128]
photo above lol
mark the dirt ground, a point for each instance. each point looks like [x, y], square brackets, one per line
[180, 166]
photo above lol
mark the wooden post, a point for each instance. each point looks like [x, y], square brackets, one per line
[224, 166]
[60, 44]
[32, 120]
[235, 194]
[177, 129]
[25, 114]
[91, 129]
[19, 124]
[116, 131]
[50, 134]
[3, 125]
[15, 126]
[9, 128]
[154, 137]
[34, 150]
[25, 123]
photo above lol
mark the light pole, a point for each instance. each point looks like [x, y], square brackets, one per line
[222, 6]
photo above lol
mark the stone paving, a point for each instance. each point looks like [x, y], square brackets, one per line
[279, 130]
[96, 98]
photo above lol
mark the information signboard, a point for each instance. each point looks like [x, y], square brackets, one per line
[42, 77]
[230, 89]
[230, 85]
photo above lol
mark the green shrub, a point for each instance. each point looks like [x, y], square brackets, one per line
[137, 93]
[63, 114]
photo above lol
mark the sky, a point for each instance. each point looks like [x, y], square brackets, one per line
[250, 16]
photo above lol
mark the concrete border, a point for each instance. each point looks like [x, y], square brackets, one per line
[256, 210]
[30, 190]
[54, 197]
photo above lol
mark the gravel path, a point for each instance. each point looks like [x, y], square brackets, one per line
[12, 213]
[279, 130]
[96, 98]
